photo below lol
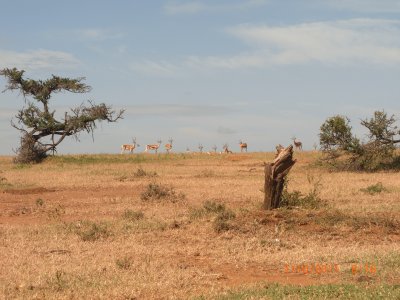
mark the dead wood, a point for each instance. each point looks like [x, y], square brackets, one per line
[275, 174]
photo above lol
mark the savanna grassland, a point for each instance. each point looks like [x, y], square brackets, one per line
[191, 226]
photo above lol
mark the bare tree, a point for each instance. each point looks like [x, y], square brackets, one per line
[201, 148]
[41, 130]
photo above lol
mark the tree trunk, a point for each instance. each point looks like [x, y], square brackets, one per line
[275, 174]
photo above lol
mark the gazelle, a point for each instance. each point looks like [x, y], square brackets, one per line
[153, 146]
[168, 147]
[226, 148]
[243, 146]
[129, 147]
[297, 144]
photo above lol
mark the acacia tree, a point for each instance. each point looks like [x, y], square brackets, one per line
[41, 130]
[336, 139]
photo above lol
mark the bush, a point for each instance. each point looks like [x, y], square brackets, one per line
[344, 151]
[221, 221]
[155, 191]
[209, 207]
[374, 189]
[132, 215]
[90, 231]
[297, 199]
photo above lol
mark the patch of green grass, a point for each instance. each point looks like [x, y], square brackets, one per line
[374, 189]
[297, 199]
[83, 159]
[329, 291]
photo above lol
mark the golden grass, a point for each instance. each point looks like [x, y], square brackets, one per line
[76, 227]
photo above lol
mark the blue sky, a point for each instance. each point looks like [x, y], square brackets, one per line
[209, 72]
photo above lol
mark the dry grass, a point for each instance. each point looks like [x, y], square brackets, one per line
[77, 227]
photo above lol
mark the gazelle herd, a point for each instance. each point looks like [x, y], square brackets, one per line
[168, 147]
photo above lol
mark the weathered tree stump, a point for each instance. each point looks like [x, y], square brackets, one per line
[275, 174]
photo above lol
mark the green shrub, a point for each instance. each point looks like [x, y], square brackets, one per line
[374, 189]
[297, 199]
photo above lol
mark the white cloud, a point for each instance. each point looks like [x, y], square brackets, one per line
[198, 7]
[38, 60]
[366, 6]
[340, 43]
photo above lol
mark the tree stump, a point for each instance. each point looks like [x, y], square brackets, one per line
[275, 174]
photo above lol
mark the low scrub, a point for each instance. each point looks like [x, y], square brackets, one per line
[374, 189]
[310, 200]
[222, 215]
[221, 222]
[156, 191]
[131, 215]
[90, 231]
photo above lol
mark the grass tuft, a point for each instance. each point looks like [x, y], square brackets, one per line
[124, 263]
[156, 191]
[90, 231]
[132, 215]
[374, 189]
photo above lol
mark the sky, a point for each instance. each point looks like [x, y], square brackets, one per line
[206, 72]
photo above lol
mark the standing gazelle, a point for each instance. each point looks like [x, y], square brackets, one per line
[129, 147]
[153, 146]
[243, 146]
[297, 144]
[226, 148]
[168, 147]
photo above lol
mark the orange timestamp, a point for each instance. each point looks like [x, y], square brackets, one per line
[314, 268]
